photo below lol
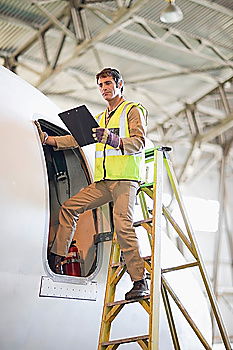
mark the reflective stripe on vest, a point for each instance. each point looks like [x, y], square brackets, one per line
[110, 163]
[114, 152]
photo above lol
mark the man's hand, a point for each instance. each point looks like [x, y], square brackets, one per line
[43, 135]
[105, 136]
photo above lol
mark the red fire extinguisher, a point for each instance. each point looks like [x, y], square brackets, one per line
[71, 263]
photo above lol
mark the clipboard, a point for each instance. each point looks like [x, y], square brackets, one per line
[80, 122]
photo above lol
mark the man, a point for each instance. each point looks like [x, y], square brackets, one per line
[118, 172]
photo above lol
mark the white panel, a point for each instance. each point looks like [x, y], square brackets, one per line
[49, 288]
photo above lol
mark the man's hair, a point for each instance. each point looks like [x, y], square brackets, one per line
[111, 72]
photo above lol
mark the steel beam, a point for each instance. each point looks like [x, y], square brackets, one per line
[121, 16]
[55, 21]
[182, 48]
[217, 130]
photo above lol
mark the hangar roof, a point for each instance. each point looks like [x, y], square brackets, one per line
[181, 72]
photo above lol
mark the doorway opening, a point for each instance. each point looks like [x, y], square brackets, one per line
[68, 173]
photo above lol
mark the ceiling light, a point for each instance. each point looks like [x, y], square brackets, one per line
[172, 13]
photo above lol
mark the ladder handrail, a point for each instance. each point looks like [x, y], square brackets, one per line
[159, 286]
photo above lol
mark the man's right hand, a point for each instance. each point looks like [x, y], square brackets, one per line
[43, 135]
[104, 135]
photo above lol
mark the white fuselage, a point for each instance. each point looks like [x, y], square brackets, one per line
[39, 310]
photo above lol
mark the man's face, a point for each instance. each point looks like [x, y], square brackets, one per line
[108, 88]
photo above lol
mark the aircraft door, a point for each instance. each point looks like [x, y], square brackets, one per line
[68, 173]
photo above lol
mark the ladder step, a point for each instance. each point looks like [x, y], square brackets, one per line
[125, 340]
[147, 185]
[120, 302]
[139, 223]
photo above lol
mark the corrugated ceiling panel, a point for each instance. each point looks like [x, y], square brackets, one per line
[28, 13]
[154, 50]
[198, 21]
[95, 23]
[12, 37]
[225, 3]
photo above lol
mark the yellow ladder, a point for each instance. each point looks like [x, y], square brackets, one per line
[158, 282]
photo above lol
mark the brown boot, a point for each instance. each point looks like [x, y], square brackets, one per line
[140, 289]
[54, 261]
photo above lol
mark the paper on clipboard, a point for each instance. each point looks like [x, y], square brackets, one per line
[80, 122]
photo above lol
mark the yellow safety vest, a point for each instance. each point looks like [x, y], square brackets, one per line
[110, 163]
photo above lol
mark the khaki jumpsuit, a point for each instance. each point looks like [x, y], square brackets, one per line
[121, 192]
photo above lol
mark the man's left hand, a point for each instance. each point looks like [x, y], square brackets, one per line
[103, 135]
